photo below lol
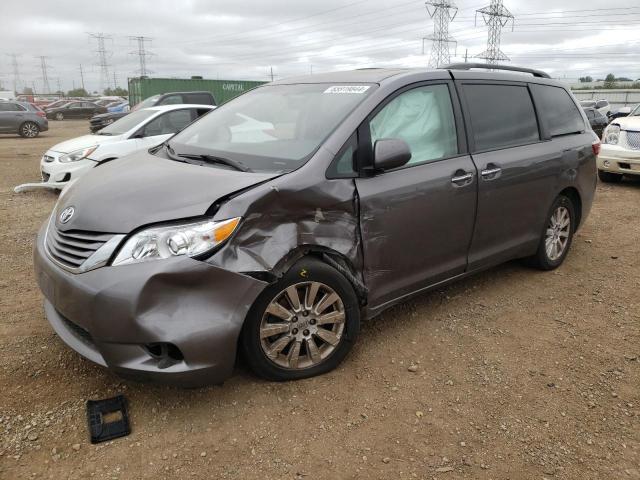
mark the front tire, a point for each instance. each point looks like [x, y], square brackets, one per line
[29, 130]
[608, 177]
[303, 325]
[59, 116]
[557, 235]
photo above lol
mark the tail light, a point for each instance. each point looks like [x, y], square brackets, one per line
[595, 145]
[40, 113]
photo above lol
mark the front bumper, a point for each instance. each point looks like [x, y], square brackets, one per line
[109, 315]
[616, 159]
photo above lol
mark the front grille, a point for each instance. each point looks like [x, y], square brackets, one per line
[633, 139]
[48, 158]
[73, 247]
[79, 332]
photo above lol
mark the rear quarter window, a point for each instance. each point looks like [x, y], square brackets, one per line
[558, 110]
[501, 115]
[200, 99]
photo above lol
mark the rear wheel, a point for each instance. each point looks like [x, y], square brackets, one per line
[29, 130]
[608, 177]
[303, 325]
[59, 116]
[557, 236]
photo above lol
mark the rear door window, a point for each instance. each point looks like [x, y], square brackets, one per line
[171, 100]
[558, 110]
[501, 115]
[200, 99]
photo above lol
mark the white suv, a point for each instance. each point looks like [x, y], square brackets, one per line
[620, 152]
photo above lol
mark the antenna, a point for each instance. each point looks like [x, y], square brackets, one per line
[102, 58]
[142, 54]
[443, 12]
[496, 16]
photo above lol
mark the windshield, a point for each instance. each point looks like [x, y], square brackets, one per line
[127, 122]
[149, 102]
[588, 104]
[275, 128]
[635, 112]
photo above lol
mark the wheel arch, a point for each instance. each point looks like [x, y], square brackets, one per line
[573, 194]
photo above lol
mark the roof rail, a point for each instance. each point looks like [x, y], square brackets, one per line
[488, 66]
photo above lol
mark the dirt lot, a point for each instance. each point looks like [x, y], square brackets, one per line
[521, 374]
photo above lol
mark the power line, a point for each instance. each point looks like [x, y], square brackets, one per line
[142, 54]
[45, 78]
[443, 12]
[102, 58]
[495, 16]
[16, 72]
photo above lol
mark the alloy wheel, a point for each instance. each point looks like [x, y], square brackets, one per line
[302, 326]
[30, 130]
[557, 234]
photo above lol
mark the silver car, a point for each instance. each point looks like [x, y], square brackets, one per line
[22, 118]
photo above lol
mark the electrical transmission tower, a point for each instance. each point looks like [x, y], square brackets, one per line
[102, 59]
[16, 72]
[495, 16]
[45, 78]
[142, 54]
[443, 12]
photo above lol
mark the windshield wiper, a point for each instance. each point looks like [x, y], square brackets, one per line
[213, 159]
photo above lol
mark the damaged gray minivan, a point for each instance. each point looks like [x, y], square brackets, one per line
[276, 223]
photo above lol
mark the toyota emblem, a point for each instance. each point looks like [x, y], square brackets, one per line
[66, 214]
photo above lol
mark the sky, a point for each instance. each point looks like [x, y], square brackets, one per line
[252, 39]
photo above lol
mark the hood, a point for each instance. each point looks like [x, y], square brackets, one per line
[84, 142]
[140, 189]
[101, 116]
[628, 123]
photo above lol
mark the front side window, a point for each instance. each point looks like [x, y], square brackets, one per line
[558, 110]
[169, 123]
[501, 116]
[273, 128]
[126, 123]
[171, 100]
[422, 117]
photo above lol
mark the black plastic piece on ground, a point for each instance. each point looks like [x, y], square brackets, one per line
[108, 419]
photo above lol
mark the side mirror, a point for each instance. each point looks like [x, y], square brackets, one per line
[389, 153]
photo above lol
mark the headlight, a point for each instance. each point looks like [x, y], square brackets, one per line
[78, 154]
[189, 239]
[611, 134]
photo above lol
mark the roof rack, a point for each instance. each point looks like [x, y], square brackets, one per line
[488, 66]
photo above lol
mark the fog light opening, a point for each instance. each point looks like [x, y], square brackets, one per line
[607, 163]
[166, 354]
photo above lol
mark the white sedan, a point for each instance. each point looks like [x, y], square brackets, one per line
[138, 130]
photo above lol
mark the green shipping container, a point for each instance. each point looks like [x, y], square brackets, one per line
[222, 90]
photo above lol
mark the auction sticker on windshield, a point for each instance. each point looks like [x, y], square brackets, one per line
[347, 89]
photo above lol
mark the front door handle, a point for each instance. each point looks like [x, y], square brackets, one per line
[489, 173]
[462, 178]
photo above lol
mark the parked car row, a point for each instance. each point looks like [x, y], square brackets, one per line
[620, 154]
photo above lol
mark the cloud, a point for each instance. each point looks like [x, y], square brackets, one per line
[246, 38]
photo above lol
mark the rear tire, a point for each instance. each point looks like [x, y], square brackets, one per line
[557, 235]
[59, 116]
[314, 324]
[608, 177]
[29, 130]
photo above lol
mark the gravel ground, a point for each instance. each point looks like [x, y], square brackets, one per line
[512, 374]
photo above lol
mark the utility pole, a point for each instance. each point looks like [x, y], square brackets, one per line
[443, 12]
[495, 16]
[82, 78]
[115, 81]
[45, 78]
[271, 73]
[102, 58]
[142, 54]
[16, 72]
[466, 54]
